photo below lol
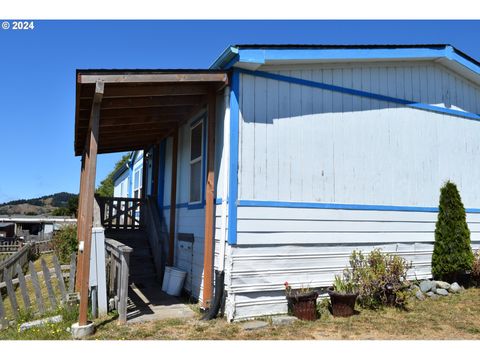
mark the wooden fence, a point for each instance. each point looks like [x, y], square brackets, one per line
[42, 246]
[10, 246]
[31, 281]
[18, 258]
[121, 213]
[118, 260]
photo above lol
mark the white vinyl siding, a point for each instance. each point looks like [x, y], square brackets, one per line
[299, 143]
[302, 144]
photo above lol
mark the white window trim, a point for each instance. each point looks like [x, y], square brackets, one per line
[139, 185]
[193, 125]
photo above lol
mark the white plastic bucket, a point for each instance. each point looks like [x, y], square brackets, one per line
[166, 278]
[175, 283]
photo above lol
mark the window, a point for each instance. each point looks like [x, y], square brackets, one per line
[137, 183]
[196, 146]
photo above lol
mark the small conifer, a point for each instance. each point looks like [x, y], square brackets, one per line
[452, 252]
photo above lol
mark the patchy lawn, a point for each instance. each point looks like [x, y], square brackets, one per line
[452, 317]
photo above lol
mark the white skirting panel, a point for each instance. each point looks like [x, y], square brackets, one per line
[188, 255]
[307, 247]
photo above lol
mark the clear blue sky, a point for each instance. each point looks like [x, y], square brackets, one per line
[37, 76]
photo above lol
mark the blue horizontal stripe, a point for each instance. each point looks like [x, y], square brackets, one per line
[201, 205]
[312, 205]
[344, 90]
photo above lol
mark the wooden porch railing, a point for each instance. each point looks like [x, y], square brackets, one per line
[118, 262]
[157, 235]
[121, 213]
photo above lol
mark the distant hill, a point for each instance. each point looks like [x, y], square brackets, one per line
[44, 205]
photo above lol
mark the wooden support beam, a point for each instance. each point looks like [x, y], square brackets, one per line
[134, 137]
[144, 172]
[209, 204]
[155, 165]
[170, 112]
[80, 215]
[143, 129]
[130, 91]
[120, 148]
[146, 102]
[173, 200]
[165, 77]
[86, 219]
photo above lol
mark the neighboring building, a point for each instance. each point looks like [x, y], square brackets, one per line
[319, 150]
[7, 230]
[38, 225]
[128, 179]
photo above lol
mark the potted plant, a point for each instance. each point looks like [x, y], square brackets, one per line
[343, 295]
[302, 303]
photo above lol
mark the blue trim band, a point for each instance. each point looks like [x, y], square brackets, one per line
[233, 168]
[130, 179]
[312, 205]
[343, 54]
[452, 55]
[231, 63]
[361, 93]
[191, 206]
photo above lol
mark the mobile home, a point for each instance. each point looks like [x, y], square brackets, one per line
[280, 160]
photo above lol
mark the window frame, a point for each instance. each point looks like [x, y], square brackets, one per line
[138, 186]
[193, 125]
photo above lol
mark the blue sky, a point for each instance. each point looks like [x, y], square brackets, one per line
[37, 76]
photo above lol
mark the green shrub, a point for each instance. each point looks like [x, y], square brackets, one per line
[476, 268]
[380, 279]
[65, 242]
[452, 252]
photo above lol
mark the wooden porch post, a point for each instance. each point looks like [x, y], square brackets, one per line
[209, 204]
[86, 217]
[143, 195]
[155, 160]
[173, 199]
[144, 174]
[80, 216]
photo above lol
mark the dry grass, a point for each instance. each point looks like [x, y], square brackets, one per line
[28, 314]
[453, 317]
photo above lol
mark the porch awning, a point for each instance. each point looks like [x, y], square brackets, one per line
[140, 107]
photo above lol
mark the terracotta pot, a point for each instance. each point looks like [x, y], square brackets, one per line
[343, 305]
[303, 306]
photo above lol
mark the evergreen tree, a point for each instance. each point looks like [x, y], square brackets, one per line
[452, 252]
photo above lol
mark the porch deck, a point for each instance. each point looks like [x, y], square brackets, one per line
[146, 301]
